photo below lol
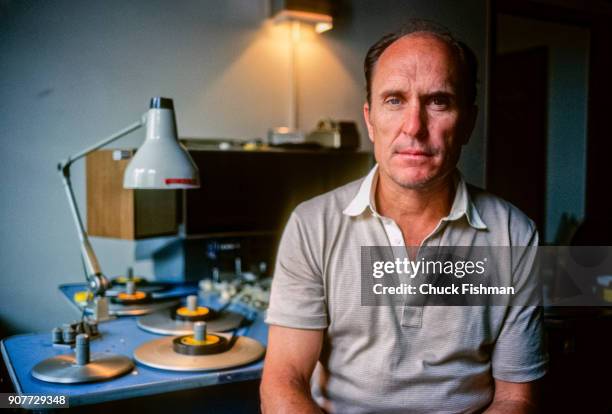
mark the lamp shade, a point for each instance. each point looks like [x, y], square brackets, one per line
[316, 12]
[161, 162]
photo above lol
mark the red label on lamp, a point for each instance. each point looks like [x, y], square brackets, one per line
[189, 181]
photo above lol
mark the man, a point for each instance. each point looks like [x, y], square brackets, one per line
[419, 112]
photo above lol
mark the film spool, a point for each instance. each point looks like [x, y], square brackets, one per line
[83, 297]
[129, 277]
[191, 312]
[165, 322]
[144, 285]
[131, 296]
[160, 354]
[200, 343]
[137, 298]
[201, 314]
[122, 280]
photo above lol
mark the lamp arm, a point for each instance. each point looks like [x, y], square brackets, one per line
[106, 141]
[96, 280]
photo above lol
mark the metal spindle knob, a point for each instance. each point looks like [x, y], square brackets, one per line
[57, 335]
[130, 287]
[82, 349]
[216, 275]
[68, 334]
[192, 302]
[199, 331]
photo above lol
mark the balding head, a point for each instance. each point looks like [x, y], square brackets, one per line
[462, 56]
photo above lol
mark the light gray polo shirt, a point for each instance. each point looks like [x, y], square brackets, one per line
[386, 359]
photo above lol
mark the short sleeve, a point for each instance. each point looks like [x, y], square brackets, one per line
[519, 354]
[297, 298]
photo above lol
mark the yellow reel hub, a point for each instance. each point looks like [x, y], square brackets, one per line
[83, 297]
[138, 295]
[199, 311]
[190, 340]
[124, 279]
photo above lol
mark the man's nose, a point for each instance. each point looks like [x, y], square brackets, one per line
[415, 121]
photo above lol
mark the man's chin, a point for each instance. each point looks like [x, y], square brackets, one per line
[413, 182]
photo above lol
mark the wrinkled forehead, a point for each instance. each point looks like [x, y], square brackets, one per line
[420, 57]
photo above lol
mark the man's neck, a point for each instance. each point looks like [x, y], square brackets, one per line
[416, 211]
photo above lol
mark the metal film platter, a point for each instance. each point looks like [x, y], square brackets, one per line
[161, 323]
[161, 354]
[63, 369]
[141, 309]
[120, 283]
[166, 322]
[150, 288]
[134, 302]
[81, 367]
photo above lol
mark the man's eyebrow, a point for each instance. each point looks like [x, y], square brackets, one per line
[392, 92]
[436, 93]
[441, 93]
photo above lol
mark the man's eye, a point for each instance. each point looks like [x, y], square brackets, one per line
[441, 101]
[393, 100]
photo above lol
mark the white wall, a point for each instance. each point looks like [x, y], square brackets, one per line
[75, 71]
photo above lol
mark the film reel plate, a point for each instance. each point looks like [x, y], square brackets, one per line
[162, 323]
[64, 370]
[160, 354]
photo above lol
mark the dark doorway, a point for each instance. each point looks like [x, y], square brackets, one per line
[516, 168]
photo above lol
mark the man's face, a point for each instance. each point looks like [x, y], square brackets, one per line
[416, 119]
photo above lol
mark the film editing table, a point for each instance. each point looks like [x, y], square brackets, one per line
[123, 336]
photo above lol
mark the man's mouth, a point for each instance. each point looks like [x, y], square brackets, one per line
[414, 154]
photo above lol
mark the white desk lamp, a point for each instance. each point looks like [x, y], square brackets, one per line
[161, 162]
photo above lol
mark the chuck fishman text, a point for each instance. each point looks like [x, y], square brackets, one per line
[429, 289]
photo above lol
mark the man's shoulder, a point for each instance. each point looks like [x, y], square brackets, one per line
[501, 215]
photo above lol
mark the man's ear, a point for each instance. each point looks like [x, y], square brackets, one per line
[469, 122]
[366, 117]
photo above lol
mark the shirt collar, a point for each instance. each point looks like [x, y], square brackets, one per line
[462, 204]
[364, 197]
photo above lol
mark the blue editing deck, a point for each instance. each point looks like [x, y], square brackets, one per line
[121, 336]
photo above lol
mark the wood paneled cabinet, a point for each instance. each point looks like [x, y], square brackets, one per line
[113, 211]
[242, 192]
